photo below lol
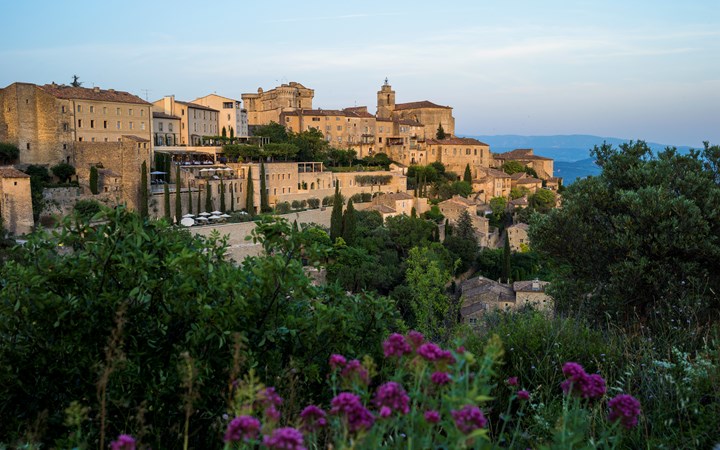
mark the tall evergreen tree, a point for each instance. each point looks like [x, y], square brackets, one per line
[208, 198]
[506, 259]
[232, 196]
[222, 195]
[349, 223]
[250, 198]
[178, 199]
[467, 176]
[167, 202]
[464, 228]
[440, 132]
[264, 205]
[413, 212]
[94, 180]
[232, 133]
[336, 217]
[199, 197]
[144, 190]
[190, 201]
[224, 132]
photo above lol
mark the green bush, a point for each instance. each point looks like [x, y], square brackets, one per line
[313, 203]
[87, 208]
[283, 208]
[9, 153]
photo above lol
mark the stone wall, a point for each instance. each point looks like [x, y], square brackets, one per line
[16, 205]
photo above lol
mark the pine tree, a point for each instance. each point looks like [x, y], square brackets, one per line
[264, 205]
[94, 180]
[178, 199]
[167, 202]
[464, 228]
[349, 223]
[208, 198]
[440, 132]
[413, 213]
[222, 195]
[467, 176]
[144, 190]
[506, 259]
[250, 199]
[336, 222]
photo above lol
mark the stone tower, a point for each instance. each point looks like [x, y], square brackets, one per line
[385, 101]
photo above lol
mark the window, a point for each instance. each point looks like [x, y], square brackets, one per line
[80, 139]
[79, 108]
[104, 109]
[92, 139]
[142, 113]
[142, 125]
[79, 123]
[228, 117]
[339, 127]
[105, 124]
[160, 126]
[182, 111]
[130, 112]
[92, 124]
[65, 127]
[130, 125]
[467, 151]
[27, 146]
[117, 112]
[62, 108]
[118, 125]
[92, 109]
[64, 146]
[227, 105]
[316, 119]
[170, 127]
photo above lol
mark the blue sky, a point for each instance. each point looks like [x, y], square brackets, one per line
[629, 69]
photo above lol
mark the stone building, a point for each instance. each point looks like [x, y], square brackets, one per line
[233, 117]
[480, 295]
[456, 153]
[523, 181]
[491, 183]
[166, 129]
[525, 156]
[265, 107]
[518, 237]
[532, 292]
[427, 113]
[45, 121]
[453, 207]
[15, 201]
[398, 203]
[196, 120]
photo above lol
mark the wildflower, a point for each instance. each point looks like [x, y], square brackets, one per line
[270, 399]
[432, 416]
[243, 427]
[626, 408]
[580, 383]
[396, 345]
[355, 372]
[468, 419]
[385, 412]
[393, 396]
[416, 338]
[512, 381]
[596, 387]
[440, 378]
[284, 439]
[460, 350]
[124, 442]
[430, 351]
[312, 419]
[447, 356]
[337, 361]
[357, 417]
[523, 394]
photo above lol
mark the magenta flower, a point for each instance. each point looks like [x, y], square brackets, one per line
[416, 338]
[460, 350]
[580, 383]
[626, 408]
[469, 418]
[242, 428]
[430, 352]
[312, 419]
[440, 378]
[396, 346]
[523, 394]
[512, 381]
[284, 439]
[595, 387]
[124, 442]
[270, 400]
[385, 412]
[337, 361]
[447, 356]
[355, 372]
[356, 416]
[393, 396]
[432, 416]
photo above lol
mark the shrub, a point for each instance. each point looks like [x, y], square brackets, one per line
[63, 171]
[9, 153]
[295, 204]
[328, 201]
[87, 208]
[283, 208]
[313, 203]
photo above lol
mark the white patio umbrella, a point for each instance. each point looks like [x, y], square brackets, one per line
[188, 216]
[226, 216]
[204, 214]
[201, 219]
[216, 213]
[187, 222]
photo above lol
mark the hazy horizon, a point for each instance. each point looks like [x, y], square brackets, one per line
[646, 70]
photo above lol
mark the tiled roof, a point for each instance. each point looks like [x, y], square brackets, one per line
[11, 172]
[529, 180]
[459, 199]
[522, 226]
[416, 105]
[527, 286]
[520, 154]
[410, 122]
[455, 141]
[196, 106]
[396, 196]
[360, 111]
[495, 173]
[522, 201]
[132, 137]
[81, 93]
[518, 175]
[383, 209]
[162, 115]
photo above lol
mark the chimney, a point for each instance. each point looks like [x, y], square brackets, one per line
[96, 89]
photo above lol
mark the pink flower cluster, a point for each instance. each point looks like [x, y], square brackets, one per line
[391, 397]
[355, 372]
[396, 346]
[356, 416]
[432, 416]
[580, 383]
[433, 353]
[312, 418]
[124, 442]
[270, 400]
[285, 439]
[440, 378]
[242, 428]
[468, 419]
[625, 408]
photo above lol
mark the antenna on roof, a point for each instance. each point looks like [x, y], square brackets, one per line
[146, 92]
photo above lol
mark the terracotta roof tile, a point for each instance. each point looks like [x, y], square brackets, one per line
[81, 93]
[11, 172]
[162, 115]
[455, 141]
[417, 105]
[520, 154]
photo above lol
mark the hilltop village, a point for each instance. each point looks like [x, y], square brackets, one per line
[204, 148]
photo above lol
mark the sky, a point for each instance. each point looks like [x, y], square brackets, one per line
[629, 69]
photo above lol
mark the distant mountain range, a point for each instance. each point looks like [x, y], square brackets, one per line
[570, 152]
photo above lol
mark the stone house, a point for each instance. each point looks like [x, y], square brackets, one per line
[264, 107]
[232, 116]
[396, 204]
[492, 183]
[480, 295]
[517, 234]
[456, 153]
[15, 201]
[196, 120]
[456, 205]
[525, 156]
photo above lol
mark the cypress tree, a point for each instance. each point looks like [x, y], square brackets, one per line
[232, 133]
[440, 132]
[178, 199]
[199, 202]
[264, 205]
[144, 190]
[224, 132]
[208, 198]
[190, 202]
[250, 199]
[413, 213]
[349, 223]
[336, 217]
[232, 196]
[448, 228]
[167, 202]
[467, 176]
[222, 195]
[94, 180]
[506, 259]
